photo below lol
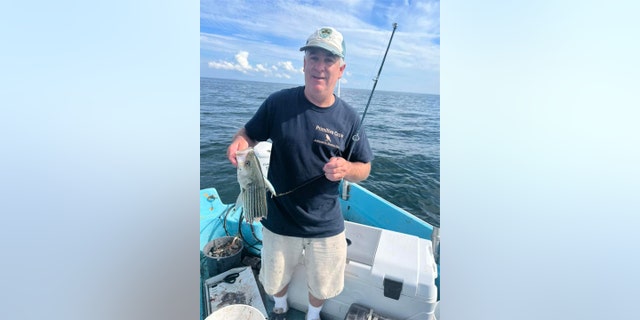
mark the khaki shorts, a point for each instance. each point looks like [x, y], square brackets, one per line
[324, 260]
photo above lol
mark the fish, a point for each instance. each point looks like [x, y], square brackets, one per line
[253, 186]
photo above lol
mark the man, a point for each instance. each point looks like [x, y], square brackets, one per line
[310, 129]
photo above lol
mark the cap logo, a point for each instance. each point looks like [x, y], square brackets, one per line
[326, 38]
[325, 32]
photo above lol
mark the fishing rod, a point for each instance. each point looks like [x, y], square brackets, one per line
[356, 136]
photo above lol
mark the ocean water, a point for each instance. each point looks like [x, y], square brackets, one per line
[403, 130]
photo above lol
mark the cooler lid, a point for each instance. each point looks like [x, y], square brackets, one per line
[400, 263]
[363, 242]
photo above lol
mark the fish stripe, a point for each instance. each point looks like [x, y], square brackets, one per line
[252, 184]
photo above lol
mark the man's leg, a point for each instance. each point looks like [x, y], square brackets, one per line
[280, 301]
[315, 305]
[280, 255]
[325, 261]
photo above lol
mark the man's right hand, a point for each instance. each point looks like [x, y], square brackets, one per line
[240, 142]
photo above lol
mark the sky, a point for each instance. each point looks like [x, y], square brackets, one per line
[260, 41]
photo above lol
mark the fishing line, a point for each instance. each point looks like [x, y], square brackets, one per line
[241, 236]
[224, 220]
[298, 187]
[356, 136]
[240, 222]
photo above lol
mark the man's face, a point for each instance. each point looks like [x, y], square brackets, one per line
[322, 70]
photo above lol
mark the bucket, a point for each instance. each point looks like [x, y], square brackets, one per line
[226, 260]
[236, 312]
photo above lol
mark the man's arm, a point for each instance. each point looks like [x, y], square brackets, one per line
[338, 168]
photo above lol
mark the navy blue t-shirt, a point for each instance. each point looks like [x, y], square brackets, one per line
[304, 137]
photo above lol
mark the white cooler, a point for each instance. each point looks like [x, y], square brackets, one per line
[390, 272]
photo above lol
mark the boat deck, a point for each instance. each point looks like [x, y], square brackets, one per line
[250, 262]
[214, 224]
[218, 220]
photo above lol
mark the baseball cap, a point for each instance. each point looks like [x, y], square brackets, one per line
[327, 38]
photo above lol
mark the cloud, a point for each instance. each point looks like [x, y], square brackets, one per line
[230, 30]
[243, 60]
[282, 69]
[288, 66]
[224, 65]
[261, 68]
[241, 63]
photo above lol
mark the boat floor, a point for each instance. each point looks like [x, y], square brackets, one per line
[217, 220]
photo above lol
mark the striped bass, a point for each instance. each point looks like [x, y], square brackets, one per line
[253, 185]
